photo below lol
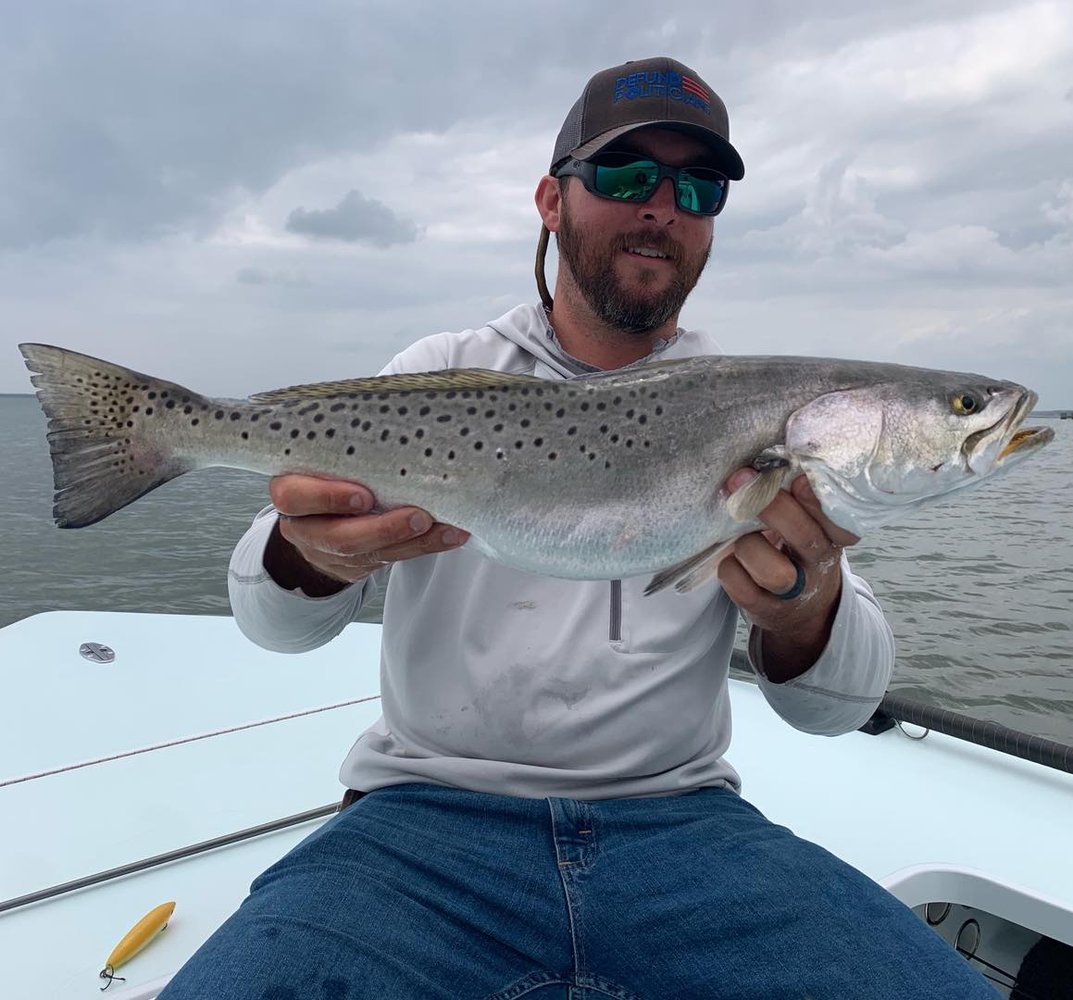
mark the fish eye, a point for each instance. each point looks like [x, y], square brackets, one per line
[965, 403]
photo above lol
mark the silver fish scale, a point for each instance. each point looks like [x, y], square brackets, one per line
[521, 466]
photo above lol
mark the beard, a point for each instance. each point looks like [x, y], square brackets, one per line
[632, 311]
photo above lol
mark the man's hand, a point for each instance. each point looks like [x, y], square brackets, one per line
[326, 537]
[765, 564]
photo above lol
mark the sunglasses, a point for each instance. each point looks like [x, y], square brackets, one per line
[622, 176]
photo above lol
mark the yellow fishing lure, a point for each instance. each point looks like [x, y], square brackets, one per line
[136, 939]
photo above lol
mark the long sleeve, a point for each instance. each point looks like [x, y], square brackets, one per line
[285, 621]
[842, 689]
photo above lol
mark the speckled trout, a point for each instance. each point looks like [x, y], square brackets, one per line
[603, 477]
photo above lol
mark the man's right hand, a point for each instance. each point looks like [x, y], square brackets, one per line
[327, 538]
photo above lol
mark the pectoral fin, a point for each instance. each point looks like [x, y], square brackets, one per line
[696, 570]
[773, 471]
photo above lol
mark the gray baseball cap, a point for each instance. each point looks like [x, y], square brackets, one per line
[661, 92]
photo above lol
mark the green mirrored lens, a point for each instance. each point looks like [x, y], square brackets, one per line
[630, 182]
[699, 194]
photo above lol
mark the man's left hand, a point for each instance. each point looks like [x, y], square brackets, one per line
[765, 564]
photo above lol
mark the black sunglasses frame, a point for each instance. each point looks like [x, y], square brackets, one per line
[586, 171]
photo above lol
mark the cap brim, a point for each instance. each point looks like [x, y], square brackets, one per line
[727, 158]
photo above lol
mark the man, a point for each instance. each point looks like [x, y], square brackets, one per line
[544, 808]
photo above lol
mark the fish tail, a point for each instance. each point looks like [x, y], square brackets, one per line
[101, 425]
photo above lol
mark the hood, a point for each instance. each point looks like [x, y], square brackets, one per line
[527, 327]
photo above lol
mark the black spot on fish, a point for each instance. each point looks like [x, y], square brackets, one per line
[642, 419]
[614, 439]
[366, 425]
[330, 432]
[552, 456]
[402, 411]
[219, 414]
[526, 421]
[295, 433]
[350, 449]
[478, 445]
[319, 418]
[463, 432]
[402, 472]
[517, 444]
[424, 411]
[195, 422]
[450, 456]
[560, 412]
[188, 409]
[148, 411]
[276, 425]
[617, 401]
[488, 414]
[403, 439]
[419, 433]
[311, 435]
[385, 434]
[629, 414]
[538, 441]
[585, 406]
[471, 410]
[571, 431]
[336, 407]
[152, 395]
[170, 404]
[236, 415]
[356, 422]
[443, 418]
[385, 408]
[659, 411]
[428, 453]
[245, 435]
[604, 428]
[498, 428]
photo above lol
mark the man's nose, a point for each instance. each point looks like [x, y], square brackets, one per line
[662, 207]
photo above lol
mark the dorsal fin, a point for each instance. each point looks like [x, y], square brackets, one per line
[450, 378]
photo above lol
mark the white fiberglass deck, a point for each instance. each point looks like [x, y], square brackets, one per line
[939, 819]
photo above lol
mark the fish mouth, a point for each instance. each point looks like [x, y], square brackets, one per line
[1026, 437]
[1007, 438]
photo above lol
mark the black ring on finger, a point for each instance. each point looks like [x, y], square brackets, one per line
[798, 587]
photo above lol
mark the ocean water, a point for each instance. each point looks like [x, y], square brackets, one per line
[979, 591]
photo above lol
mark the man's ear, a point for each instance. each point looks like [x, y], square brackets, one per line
[549, 202]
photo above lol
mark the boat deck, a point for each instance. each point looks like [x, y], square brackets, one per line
[193, 732]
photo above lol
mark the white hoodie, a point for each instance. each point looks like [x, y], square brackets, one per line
[501, 681]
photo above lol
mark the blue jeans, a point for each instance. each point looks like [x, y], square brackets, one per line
[420, 893]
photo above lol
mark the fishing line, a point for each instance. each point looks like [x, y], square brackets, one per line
[184, 739]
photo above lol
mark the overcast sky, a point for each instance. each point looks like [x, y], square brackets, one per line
[242, 195]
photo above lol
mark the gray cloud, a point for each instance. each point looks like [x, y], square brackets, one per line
[251, 275]
[908, 184]
[355, 219]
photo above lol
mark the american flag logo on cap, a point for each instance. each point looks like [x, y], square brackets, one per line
[692, 87]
